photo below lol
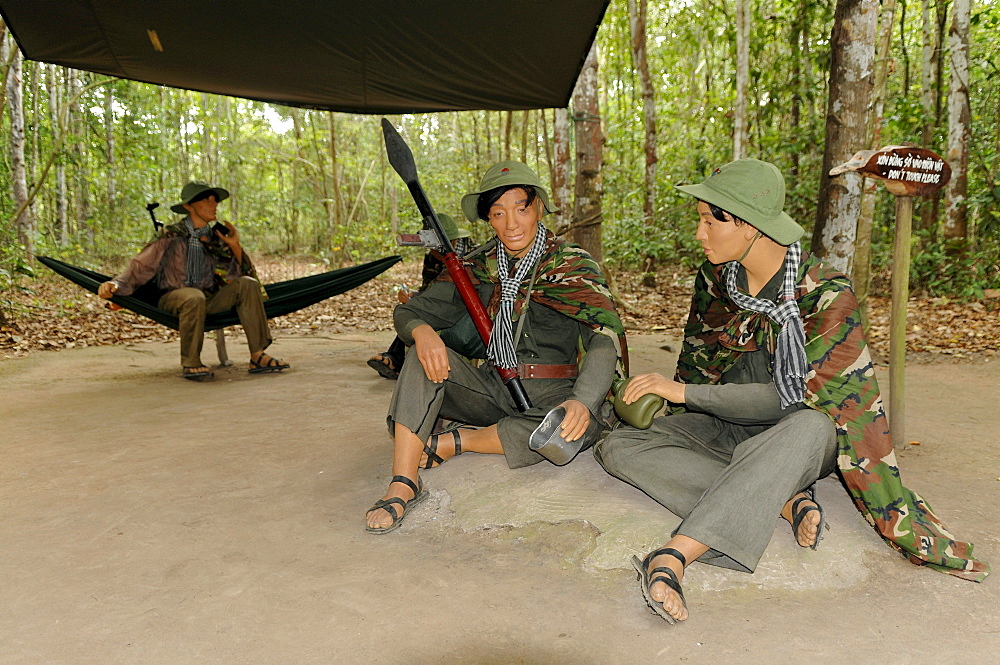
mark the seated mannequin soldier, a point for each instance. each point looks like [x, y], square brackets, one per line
[200, 268]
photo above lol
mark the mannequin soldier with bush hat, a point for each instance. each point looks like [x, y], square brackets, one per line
[200, 269]
[759, 414]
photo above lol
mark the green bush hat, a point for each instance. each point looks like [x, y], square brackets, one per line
[451, 229]
[193, 189]
[754, 191]
[502, 174]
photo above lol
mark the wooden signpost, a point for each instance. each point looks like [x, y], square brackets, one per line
[906, 172]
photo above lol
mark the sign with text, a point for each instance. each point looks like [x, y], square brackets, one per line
[905, 170]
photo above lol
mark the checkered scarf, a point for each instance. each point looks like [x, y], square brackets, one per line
[197, 265]
[790, 364]
[501, 347]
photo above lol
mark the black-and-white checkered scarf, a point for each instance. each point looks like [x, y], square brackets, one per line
[197, 263]
[790, 364]
[501, 348]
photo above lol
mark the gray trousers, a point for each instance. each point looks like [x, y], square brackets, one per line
[727, 482]
[476, 396]
[192, 305]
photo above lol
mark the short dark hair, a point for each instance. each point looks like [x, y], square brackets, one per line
[204, 195]
[720, 214]
[489, 197]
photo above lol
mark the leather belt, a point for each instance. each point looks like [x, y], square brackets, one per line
[530, 371]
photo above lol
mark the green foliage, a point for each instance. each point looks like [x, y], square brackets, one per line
[938, 270]
[126, 144]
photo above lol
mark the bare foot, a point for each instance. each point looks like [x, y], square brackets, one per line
[388, 512]
[672, 601]
[199, 373]
[808, 511]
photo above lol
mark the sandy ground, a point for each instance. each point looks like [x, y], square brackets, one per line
[147, 519]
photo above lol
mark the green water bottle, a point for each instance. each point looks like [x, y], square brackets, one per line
[639, 413]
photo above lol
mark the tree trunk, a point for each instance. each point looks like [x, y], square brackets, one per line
[852, 48]
[904, 54]
[561, 166]
[587, 214]
[929, 91]
[60, 232]
[795, 112]
[959, 119]
[335, 175]
[507, 131]
[861, 272]
[525, 124]
[18, 171]
[109, 154]
[742, 79]
[81, 216]
[6, 53]
[637, 21]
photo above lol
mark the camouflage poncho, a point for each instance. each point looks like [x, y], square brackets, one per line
[568, 280]
[222, 255]
[841, 383]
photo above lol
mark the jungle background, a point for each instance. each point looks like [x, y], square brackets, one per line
[671, 90]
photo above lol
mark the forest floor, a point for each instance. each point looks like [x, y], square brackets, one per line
[150, 520]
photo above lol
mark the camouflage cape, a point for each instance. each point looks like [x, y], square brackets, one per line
[219, 251]
[568, 280]
[841, 383]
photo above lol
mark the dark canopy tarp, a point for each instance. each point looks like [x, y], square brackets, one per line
[358, 56]
[283, 297]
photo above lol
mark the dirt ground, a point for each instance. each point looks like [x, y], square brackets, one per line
[147, 519]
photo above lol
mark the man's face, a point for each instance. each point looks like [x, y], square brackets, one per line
[514, 221]
[203, 210]
[722, 241]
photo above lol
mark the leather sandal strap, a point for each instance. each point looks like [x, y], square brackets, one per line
[666, 550]
[670, 579]
[430, 449]
[458, 442]
[406, 481]
[797, 515]
[386, 505]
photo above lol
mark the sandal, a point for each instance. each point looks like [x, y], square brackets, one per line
[266, 363]
[198, 373]
[430, 448]
[419, 494]
[669, 578]
[384, 365]
[798, 515]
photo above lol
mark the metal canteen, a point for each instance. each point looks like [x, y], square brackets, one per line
[640, 413]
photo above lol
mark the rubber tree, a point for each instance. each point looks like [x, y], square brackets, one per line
[587, 212]
[852, 56]
[637, 24]
[959, 120]
[742, 78]
[861, 270]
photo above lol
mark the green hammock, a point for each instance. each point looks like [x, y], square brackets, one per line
[283, 297]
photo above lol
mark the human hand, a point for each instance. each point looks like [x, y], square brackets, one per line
[232, 238]
[432, 353]
[577, 420]
[107, 289]
[642, 384]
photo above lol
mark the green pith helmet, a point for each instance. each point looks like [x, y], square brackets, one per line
[193, 189]
[499, 175]
[754, 191]
[451, 229]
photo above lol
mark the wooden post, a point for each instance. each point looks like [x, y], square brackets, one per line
[897, 321]
[906, 171]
